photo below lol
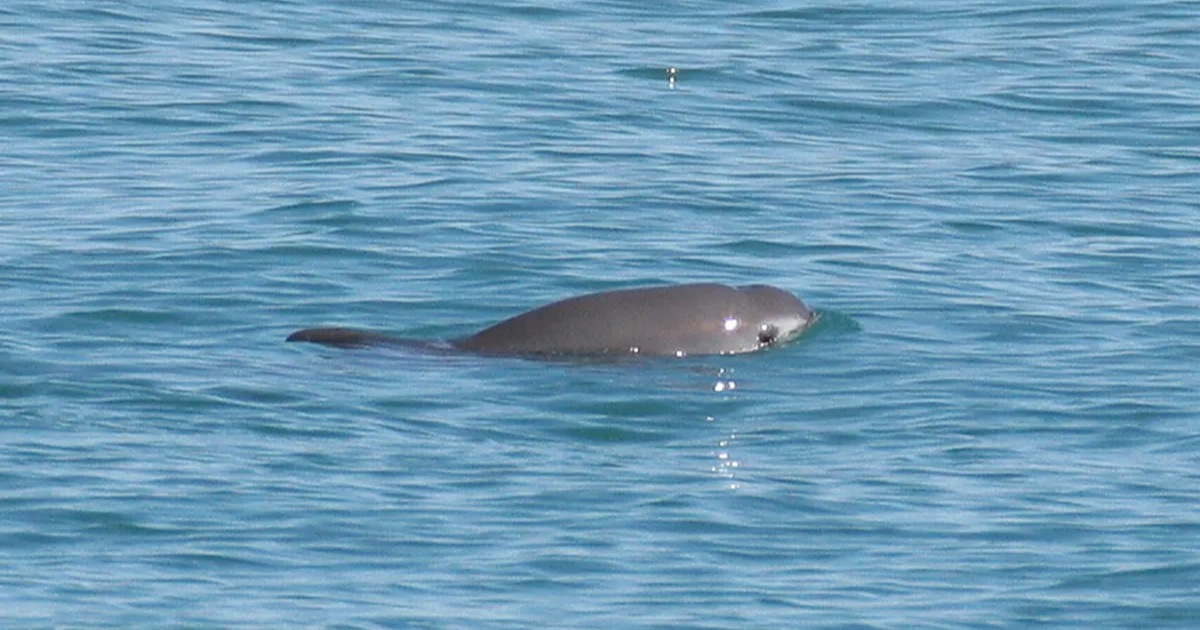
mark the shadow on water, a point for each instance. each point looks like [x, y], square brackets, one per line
[831, 322]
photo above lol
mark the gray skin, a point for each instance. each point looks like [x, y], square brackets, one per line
[689, 319]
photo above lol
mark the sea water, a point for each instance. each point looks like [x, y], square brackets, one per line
[995, 207]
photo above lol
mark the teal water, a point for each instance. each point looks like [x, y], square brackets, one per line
[996, 207]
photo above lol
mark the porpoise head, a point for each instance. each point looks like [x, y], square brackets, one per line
[778, 316]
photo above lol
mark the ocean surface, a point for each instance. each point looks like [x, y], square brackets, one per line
[995, 206]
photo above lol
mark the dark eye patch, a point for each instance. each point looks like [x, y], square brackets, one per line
[767, 335]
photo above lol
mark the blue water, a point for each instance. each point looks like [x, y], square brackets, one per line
[995, 206]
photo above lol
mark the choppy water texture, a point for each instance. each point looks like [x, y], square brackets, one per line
[996, 207]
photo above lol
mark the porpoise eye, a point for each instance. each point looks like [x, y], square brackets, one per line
[767, 334]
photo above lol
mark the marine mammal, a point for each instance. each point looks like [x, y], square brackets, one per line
[677, 320]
